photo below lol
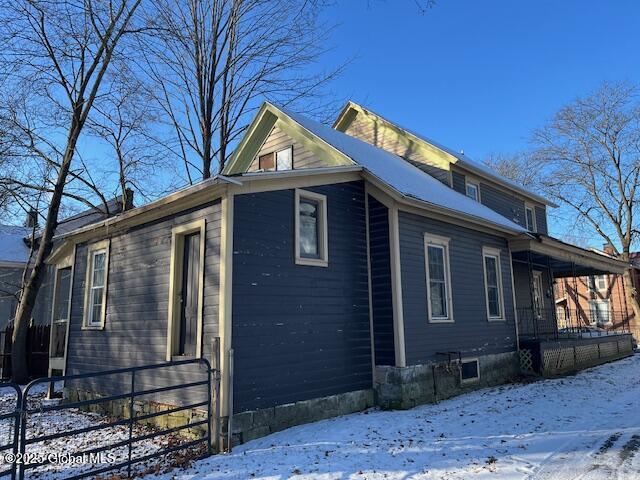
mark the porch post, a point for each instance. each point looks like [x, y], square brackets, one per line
[554, 316]
[575, 292]
[534, 320]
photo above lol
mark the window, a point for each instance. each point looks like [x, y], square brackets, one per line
[280, 160]
[530, 218]
[472, 191]
[438, 279]
[493, 283]
[284, 159]
[96, 285]
[599, 310]
[311, 244]
[186, 290]
[266, 162]
[469, 370]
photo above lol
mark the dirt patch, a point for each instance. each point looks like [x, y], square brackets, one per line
[609, 442]
[630, 448]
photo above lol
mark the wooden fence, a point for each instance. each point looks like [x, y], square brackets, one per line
[37, 351]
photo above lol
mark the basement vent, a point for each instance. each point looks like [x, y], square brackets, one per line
[469, 371]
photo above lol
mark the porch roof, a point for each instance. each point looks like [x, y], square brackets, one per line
[564, 259]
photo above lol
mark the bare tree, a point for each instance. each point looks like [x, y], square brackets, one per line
[591, 156]
[54, 59]
[214, 61]
[522, 168]
[124, 120]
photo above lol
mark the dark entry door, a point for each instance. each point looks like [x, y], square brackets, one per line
[189, 295]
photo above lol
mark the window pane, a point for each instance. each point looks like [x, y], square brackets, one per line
[98, 269]
[265, 162]
[96, 305]
[308, 218]
[438, 299]
[436, 263]
[437, 282]
[493, 285]
[529, 213]
[284, 159]
[472, 191]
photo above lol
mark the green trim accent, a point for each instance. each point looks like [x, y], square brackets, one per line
[250, 145]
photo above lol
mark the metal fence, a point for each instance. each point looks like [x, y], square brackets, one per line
[548, 323]
[25, 436]
[11, 415]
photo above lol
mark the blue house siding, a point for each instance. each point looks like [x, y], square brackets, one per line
[135, 331]
[458, 182]
[471, 333]
[299, 332]
[541, 220]
[506, 205]
[382, 304]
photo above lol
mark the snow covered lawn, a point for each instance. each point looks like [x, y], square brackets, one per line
[581, 427]
[45, 423]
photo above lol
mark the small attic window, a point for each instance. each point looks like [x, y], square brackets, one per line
[284, 158]
[266, 162]
[278, 160]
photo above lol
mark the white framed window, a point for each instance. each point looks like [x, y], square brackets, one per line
[284, 158]
[473, 191]
[95, 290]
[438, 272]
[600, 314]
[530, 218]
[598, 283]
[493, 283]
[311, 235]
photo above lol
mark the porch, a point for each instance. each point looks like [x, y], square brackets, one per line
[555, 339]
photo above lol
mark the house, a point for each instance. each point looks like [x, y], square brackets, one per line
[338, 267]
[14, 258]
[598, 301]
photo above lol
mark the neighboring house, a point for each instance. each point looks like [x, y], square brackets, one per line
[598, 300]
[342, 266]
[14, 254]
[14, 257]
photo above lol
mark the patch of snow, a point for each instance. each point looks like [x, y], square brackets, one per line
[401, 175]
[585, 426]
[12, 245]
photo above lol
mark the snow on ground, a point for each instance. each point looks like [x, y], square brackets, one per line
[582, 427]
[40, 424]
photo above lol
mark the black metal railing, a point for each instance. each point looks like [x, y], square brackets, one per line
[546, 323]
[10, 412]
[27, 435]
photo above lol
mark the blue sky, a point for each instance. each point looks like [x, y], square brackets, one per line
[481, 75]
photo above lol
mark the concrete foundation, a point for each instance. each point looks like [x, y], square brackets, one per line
[406, 387]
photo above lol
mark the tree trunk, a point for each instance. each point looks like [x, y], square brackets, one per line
[19, 367]
[631, 295]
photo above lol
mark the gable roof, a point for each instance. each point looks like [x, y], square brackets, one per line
[391, 170]
[351, 108]
[13, 248]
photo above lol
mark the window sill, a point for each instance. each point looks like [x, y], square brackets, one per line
[441, 320]
[496, 319]
[312, 262]
[93, 327]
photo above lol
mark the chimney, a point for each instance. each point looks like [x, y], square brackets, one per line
[609, 249]
[32, 218]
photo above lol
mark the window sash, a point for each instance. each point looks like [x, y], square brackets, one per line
[311, 236]
[309, 228]
[530, 218]
[472, 191]
[437, 277]
[97, 287]
[284, 159]
[493, 286]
